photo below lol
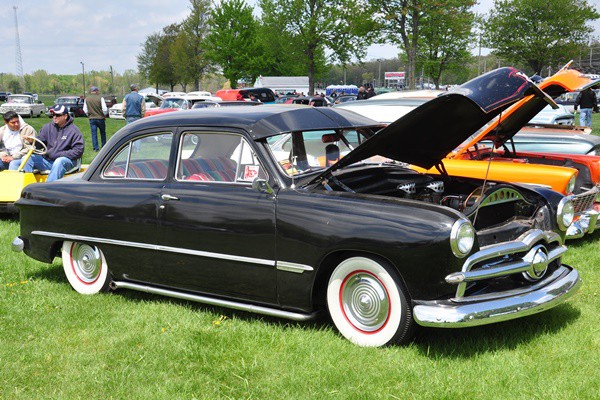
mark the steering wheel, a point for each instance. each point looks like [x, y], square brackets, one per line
[29, 146]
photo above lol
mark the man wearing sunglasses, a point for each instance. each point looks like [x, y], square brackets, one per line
[64, 142]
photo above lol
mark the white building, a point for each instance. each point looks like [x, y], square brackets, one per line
[283, 84]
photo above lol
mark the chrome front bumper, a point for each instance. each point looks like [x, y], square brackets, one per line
[481, 310]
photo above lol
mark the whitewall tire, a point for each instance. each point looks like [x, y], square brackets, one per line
[85, 267]
[368, 303]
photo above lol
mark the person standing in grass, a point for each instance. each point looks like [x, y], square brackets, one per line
[12, 140]
[134, 106]
[587, 101]
[95, 108]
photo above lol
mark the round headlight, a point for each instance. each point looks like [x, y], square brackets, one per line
[570, 185]
[462, 238]
[565, 213]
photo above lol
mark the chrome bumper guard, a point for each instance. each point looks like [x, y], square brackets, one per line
[18, 245]
[585, 224]
[548, 293]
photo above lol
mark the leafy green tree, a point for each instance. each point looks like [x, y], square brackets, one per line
[342, 28]
[399, 22]
[538, 33]
[15, 86]
[232, 42]
[445, 37]
[188, 52]
[146, 57]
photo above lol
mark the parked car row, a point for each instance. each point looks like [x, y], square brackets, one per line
[292, 211]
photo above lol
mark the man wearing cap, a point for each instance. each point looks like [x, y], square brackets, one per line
[64, 143]
[95, 108]
[13, 136]
[134, 106]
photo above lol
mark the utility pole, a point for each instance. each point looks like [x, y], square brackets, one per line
[83, 70]
[379, 77]
[112, 80]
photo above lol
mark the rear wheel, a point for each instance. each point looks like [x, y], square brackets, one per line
[85, 267]
[368, 303]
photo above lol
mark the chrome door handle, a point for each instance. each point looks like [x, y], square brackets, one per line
[167, 197]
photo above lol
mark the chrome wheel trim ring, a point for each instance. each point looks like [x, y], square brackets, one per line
[86, 262]
[365, 302]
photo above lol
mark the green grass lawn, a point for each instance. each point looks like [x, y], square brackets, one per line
[55, 343]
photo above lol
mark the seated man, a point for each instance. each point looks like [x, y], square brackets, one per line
[64, 143]
[12, 140]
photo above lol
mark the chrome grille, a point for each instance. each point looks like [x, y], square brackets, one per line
[504, 259]
[585, 201]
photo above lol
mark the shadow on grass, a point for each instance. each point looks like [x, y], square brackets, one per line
[430, 342]
[469, 342]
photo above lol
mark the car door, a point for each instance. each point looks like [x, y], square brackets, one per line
[130, 185]
[218, 232]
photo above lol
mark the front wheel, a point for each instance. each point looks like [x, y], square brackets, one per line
[85, 267]
[368, 303]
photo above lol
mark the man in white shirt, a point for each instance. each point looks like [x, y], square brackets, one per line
[12, 140]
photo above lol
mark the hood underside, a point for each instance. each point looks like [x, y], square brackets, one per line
[517, 116]
[427, 134]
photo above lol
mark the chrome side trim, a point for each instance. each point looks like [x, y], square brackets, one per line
[273, 312]
[562, 284]
[293, 267]
[281, 265]
[147, 246]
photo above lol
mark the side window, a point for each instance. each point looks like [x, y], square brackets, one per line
[143, 158]
[216, 157]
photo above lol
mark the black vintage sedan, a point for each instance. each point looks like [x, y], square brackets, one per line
[290, 210]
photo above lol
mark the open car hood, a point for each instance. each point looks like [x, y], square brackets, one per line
[427, 134]
[510, 122]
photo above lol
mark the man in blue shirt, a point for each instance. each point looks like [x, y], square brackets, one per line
[134, 106]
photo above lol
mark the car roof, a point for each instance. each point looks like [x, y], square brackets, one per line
[259, 122]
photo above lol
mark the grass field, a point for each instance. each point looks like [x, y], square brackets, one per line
[57, 344]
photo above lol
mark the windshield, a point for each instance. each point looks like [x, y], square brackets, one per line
[174, 103]
[298, 153]
[66, 100]
[19, 99]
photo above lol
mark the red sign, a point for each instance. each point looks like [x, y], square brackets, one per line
[390, 75]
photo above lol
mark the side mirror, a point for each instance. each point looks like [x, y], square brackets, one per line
[262, 186]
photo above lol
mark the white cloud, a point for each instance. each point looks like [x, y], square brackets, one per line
[57, 35]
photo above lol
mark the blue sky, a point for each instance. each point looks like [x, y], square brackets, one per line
[58, 35]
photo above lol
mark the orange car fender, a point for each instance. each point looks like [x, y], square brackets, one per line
[551, 176]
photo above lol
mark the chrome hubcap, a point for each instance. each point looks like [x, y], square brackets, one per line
[365, 302]
[538, 260]
[87, 262]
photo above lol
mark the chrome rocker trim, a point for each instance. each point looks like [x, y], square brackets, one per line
[558, 287]
[273, 312]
